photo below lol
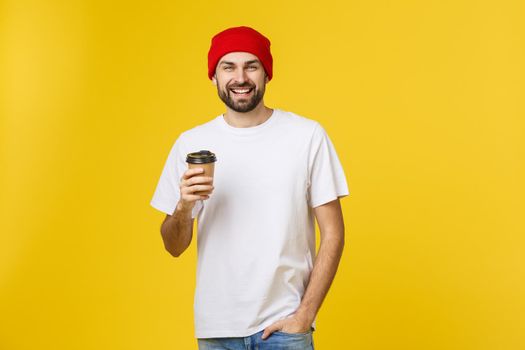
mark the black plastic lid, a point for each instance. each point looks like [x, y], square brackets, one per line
[201, 157]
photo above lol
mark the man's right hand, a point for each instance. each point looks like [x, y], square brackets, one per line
[190, 183]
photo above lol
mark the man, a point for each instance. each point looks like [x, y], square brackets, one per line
[257, 283]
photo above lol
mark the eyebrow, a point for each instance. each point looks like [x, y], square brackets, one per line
[245, 63]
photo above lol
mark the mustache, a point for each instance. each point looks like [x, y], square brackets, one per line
[241, 86]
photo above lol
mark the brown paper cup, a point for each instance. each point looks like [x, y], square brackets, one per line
[202, 159]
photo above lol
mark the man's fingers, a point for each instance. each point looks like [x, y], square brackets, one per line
[197, 188]
[270, 329]
[190, 172]
[196, 180]
[195, 197]
[201, 188]
[190, 183]
[199, 180]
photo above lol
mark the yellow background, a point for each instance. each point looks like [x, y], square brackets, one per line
[422, 99]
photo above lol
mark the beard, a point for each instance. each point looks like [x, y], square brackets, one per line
[242, 104]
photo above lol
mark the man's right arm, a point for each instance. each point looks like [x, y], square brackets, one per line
[177, 228]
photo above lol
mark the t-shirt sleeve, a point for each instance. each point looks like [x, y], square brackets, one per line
[327, 180]
[167, 192]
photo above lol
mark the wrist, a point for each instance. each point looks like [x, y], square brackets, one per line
[184, 207]
[308, 316]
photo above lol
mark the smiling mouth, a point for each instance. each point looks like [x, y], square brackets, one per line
[241, 91]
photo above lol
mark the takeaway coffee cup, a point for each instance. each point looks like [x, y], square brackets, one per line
[202, 159]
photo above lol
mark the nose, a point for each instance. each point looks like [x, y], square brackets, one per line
[240, 75]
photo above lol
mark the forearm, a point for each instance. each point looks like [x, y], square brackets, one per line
[322, 275]
[177, 230]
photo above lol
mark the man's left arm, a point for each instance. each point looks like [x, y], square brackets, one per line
[329, 217]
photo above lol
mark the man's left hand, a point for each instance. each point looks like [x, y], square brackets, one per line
[293, 324]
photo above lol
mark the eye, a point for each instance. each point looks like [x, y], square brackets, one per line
[252, 67]
[228, 68]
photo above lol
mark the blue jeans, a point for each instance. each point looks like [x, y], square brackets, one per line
[276, 341]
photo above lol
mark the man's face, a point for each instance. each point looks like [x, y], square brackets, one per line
[241, 81]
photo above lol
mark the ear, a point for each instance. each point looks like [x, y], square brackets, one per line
[214, 79]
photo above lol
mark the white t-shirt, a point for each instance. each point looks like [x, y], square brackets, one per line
[256, 233]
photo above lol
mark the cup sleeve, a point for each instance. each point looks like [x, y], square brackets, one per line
[167, 192]
[326, 178]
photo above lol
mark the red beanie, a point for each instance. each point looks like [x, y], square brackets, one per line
[244, 39]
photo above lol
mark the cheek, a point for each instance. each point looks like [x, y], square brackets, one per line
[262, 80]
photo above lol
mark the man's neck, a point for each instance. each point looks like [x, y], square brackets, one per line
[257, 116]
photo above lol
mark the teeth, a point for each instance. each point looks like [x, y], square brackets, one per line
[241, 91]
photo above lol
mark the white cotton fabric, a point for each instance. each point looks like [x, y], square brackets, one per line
[256, 232]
